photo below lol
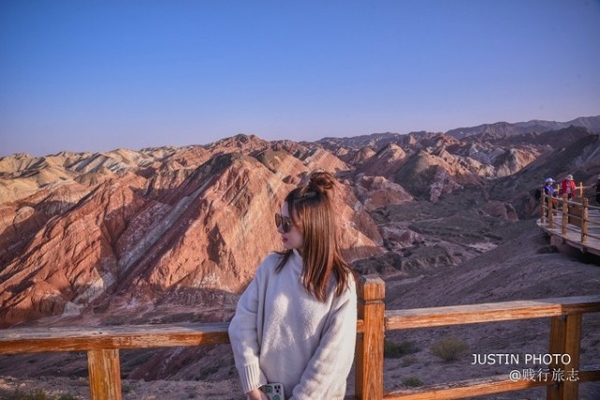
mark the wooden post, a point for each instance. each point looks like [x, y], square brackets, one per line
[565, 340]
[543, 207]
[105, 374]
[369, 345]
[570, 208]
[565, 214]
[584, 221]
[550, 212]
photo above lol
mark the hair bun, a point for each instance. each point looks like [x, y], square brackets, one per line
[321, 181]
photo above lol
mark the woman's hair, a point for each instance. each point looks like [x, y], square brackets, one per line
[311, 210]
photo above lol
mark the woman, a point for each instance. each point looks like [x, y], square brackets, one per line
[295, 324]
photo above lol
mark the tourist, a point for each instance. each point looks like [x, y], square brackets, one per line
[551, 194]
[295, 324]
[568, 187]
[549, 188]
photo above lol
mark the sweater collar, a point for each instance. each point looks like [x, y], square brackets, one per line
[296, 260]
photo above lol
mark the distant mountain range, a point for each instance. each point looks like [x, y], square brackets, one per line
[534, 126]
[493, 131]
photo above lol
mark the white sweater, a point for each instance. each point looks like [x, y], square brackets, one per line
[282, 334]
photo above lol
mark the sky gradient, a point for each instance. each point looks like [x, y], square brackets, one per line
[101, 75]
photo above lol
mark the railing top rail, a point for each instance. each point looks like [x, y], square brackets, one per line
[35, 340]
[29, 340]
[489, 312]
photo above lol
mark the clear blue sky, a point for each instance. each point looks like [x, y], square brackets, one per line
[101, 75]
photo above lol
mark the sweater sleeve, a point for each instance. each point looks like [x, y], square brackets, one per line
[326, 374]
[243, 334]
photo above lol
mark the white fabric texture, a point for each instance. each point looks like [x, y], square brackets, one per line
[281, 333]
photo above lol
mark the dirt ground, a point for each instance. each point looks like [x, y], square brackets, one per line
[132, 390]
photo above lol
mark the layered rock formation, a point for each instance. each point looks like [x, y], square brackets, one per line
[131, 232]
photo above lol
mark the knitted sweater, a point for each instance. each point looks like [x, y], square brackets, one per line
[282, 334]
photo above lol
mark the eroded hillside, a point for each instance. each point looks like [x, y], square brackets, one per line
[122, 233]
[174, 234]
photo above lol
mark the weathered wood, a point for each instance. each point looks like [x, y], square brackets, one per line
[589, 376]
[550, 213]
[543, 207]
[489, 312]
[465, 389]
[557, 346]
[105, 374]
[575, 213]
[114, 337]
[369, 344]
[584, 221]
[565, 338]
[360, 326]
[565, 215]
[572, 347]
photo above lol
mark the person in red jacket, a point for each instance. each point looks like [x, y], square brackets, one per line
[568, 187]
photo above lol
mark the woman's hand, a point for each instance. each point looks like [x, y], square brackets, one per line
[257, 394]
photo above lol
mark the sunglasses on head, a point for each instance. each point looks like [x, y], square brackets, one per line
[285, 222]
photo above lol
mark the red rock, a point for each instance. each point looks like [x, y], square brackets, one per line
[155, 233]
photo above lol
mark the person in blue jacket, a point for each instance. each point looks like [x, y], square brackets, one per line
[549, 188]
[550, 192]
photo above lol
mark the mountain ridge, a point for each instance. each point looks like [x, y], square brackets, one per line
[130, 225]
[173, 234]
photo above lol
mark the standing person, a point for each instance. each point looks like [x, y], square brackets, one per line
[568, 187]
[549, 187]
[295, 324]
[549, 191]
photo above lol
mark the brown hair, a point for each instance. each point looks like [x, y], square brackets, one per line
[311, 210]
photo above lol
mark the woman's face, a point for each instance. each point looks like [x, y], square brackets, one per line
[293, 238]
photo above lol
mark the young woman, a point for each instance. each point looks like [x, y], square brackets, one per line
[295, 324]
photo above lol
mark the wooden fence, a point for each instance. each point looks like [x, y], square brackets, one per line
[571, 216]
[103, 344]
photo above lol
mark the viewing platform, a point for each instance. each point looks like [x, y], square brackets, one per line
[571, 222]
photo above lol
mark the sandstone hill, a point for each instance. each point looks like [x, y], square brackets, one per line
[174, 234]
[123, 232]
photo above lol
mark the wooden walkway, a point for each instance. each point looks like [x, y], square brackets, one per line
[572, 237]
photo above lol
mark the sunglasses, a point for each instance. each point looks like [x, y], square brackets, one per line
[285, 222]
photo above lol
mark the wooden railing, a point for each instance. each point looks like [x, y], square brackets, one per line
[103, 344]
[574, 216]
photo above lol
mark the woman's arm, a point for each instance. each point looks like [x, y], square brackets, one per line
[243, 335]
